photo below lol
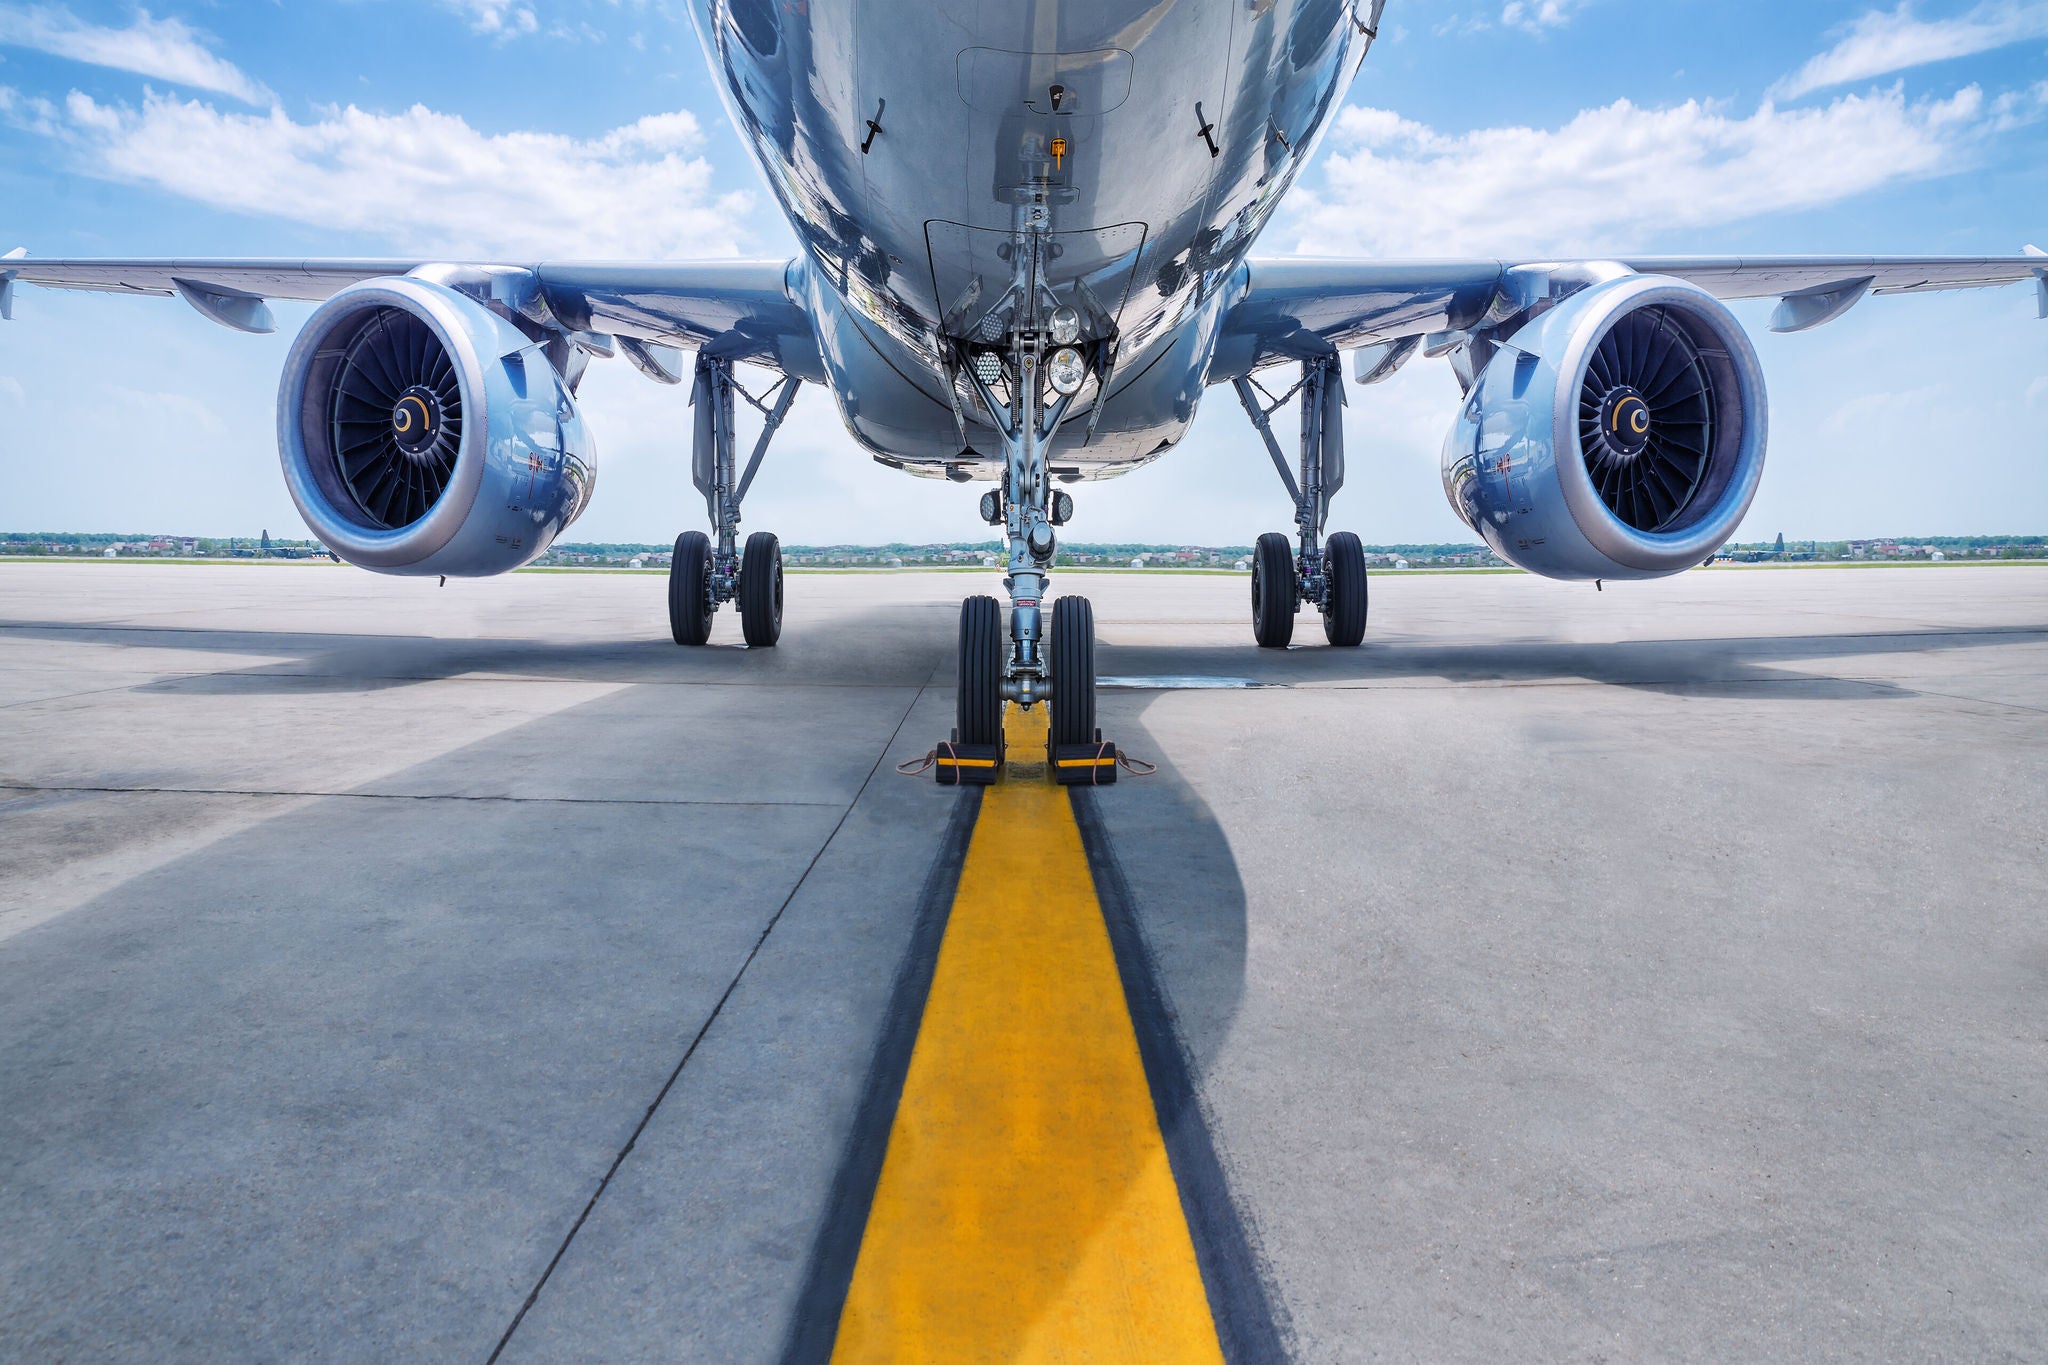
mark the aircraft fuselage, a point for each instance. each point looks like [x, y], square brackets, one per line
[907, 141]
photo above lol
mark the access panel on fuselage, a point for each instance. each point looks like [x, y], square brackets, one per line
[1089, 105]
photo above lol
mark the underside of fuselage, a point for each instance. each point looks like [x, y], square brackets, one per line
[1142, 145]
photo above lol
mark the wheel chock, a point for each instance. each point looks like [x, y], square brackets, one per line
[1084, 765]
[967, 765]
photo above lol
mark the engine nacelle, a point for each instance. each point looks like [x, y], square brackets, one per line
[421, 433]
[1619, 435]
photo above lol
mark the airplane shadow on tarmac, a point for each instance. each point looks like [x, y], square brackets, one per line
[896, 644]
[1684, 666]
[354, 1072]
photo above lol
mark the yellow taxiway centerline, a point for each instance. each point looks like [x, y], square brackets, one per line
[1027, 1210]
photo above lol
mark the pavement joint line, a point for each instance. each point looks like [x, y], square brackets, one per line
[1502, 684]
[703, 1030]
[472, 677]
[70, 696]
[1984, 701]
[402, 796]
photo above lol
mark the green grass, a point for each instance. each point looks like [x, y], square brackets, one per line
[1176, 572]
[168, 559]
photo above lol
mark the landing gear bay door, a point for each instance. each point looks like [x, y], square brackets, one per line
[989, 281]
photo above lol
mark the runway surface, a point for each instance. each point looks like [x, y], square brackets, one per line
[398, 972]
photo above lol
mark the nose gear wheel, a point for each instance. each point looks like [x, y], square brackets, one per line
[978, 707]
[1073, 672]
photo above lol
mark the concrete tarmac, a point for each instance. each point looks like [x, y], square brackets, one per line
[398, 972]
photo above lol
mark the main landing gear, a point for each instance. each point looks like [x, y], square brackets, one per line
[706, 573]
[1026, 360]
[1330, 574]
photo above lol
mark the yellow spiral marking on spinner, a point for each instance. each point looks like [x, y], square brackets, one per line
[1639, 419]
[403, 417]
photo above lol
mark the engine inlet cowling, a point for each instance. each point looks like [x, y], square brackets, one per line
[421, 433]
[1619, 435]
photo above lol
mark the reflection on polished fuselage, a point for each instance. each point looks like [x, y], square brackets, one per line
[905, 140]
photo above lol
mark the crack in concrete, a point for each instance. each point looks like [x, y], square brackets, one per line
[409, 796]
[618, 1161]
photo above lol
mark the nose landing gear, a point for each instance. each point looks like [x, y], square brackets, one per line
[1026, 385]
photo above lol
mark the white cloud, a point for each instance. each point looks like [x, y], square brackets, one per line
[2037, 393]
[1881, 42]
[1620, 177]
[426, 181]
[164, 48]
[14, 395]
[1537, 15]
[501, 18]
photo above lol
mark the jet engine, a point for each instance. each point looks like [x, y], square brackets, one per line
[1618, 435]
[423, 433]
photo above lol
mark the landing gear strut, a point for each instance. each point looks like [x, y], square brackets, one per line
[1330, 575]
[1026, 378]
[706, 573]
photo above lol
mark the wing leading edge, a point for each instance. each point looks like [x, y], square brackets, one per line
[740, 310]
[1300, 308]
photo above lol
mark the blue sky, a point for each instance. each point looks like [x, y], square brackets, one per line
[526, 128]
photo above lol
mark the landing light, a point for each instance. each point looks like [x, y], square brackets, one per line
[1067, 370]
[1065, 325]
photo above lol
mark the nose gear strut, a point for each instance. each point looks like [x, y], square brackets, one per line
[1006, 373]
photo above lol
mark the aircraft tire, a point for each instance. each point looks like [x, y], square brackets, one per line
[761, 590]
[979, 704]
[1073, 671]
[690, 607]
[1275, 598]
[1344, 571]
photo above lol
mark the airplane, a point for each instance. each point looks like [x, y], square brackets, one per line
[1027, 239]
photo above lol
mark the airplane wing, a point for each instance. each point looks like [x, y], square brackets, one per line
[1300, 308]
[740, 310]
